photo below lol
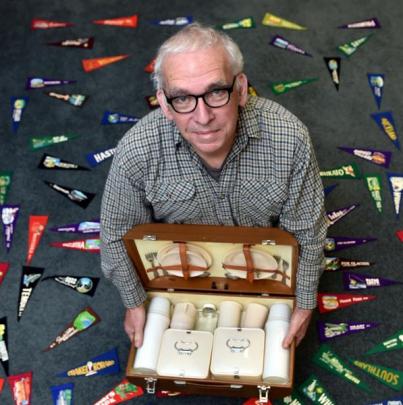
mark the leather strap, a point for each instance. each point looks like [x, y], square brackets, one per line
[184, 260]
[250, 276]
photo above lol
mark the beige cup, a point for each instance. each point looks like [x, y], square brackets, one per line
[254, 316]
[184, 316]
[229, 314]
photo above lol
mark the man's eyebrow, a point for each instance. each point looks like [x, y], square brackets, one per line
[178, 92]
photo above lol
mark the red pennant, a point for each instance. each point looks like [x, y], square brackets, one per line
[399, 234]
[255, 401]
[150, 67]
[131, 21]
[87, 245]
[97, 63]
[3, 270]
[21, 388]
[37, 24]
[330, 302]
[37, 225]
[1, 384]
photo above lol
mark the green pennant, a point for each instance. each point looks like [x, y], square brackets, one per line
[243, 23]
[316, 392]
[283, 87]
[293, 399]
[5, 182]
[374, 184]
[349, 171]
[394, 342]
[37, 143]
[350, 47]
[327, 359]
[388, 376]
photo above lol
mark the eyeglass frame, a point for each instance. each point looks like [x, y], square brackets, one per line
[229, 89]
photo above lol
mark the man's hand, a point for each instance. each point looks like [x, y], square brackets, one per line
[298, 326]
[134, 324]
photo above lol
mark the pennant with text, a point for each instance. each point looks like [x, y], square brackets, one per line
[333, 244]
[21, 388]
[282, 43]
[349, 171]
[76, 100]
[95, 158]
[85, 245]
[49, 162]
[62, 394]
[358, 281]
[333, 66]
[386, 123]
[40, 24]
[284, 87]
[84, 43]
[331, 330]
[81, 284]
[29, 280]
[9, 216]
[396, 188]
[41, 82]
[374, 184]
[18, 105]
[244, 23]
[97, 63]
[84, 227]
[351, 47]
[111, 118]
[376, 81]
[316, 392]
[272, 20]
[393, 342]
[378, 157]
[128, 22]
[43, 142]
[337, 263]
[337, 215]
[122, 392]
[370, 23]
[79, 197]
[328, 302]
[5, 182]
[36, 227]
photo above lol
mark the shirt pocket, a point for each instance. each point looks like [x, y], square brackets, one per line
[262, 201]
[173, 201]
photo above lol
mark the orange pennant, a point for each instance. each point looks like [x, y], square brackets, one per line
[36, 227]
[130, 21]
[97, 63]
[150, 67]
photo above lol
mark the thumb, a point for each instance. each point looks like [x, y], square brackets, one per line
[138, 337]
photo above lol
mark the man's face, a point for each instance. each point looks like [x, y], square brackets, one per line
[211, 131]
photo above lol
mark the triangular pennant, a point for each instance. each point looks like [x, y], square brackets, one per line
[3, 270]
[247, 22]
[4, 358]
[367, 24]
[84, 43]
[337, 263]
[41, 82]
[391, 401]
[43, 142]
[18, 105]
[128, 22]
[282, 43]
[337, 215]
[358, 281]
[327, 190]
[36, 227]
[330, 361]
[376, 81]
[85, 245]
[49, 162]
[152, 102]
[378, 157]
[399, 234]
[92, 64]
[331, 301]
[316, 392]
[29, 280]
[21, 388]
[252, 91]
[351, 47]
[388, 376]
[81, 284]
[62, 394]
[331, 330]
[111, 118]
[333, 66]
[5, 182]
[9, 216]
[396, 188]
[79, 197]
[122, 392]
[105, 363]
[284, 87]
[76, 100]
[84, 227]
[149, 68]
[1, 384]
[293, 399]
[178, 21]
[386, 123]
[81, 322]
[348, 171]
[40, 24]
[393, 342]
[95, 158]
[333, 244]
[273, 21]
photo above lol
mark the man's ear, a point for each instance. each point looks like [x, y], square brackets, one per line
[242, 88]
[164, 105]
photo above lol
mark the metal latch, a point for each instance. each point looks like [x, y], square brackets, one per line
[150, 385]
[270, 242]
[236, 386]
[149, 237]
[179, 382]
[263, 393]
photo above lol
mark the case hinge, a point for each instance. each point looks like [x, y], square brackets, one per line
[150, 385]
[149, 237]
[269, 242]
[263, 393]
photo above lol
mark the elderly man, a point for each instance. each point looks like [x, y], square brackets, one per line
[211, 155]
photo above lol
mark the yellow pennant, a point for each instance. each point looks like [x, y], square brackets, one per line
[274, 21]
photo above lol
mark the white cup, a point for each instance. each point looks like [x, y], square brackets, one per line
[254, 316]
[184, 316]
[229, 314]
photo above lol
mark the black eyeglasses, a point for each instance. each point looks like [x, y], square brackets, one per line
[215, 98]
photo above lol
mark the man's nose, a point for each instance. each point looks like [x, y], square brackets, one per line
[203, 113]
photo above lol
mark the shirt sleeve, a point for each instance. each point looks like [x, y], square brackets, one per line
[304, 216]
[123, 206]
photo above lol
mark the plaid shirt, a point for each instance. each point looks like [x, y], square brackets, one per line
[270, 175]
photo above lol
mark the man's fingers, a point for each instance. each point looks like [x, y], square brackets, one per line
[138, 338]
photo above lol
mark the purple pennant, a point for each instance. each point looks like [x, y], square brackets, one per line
[376, 81]
[378, 157]
[41, 82]
[333, 244]
[336, 215]
[327, 190]
[331, 330]
[396, 188]
[9, 216]
[391, 401]
[363, 24]
[338, 263]
[84, 227]
[358, 281]
[282, 43]
[387, 125]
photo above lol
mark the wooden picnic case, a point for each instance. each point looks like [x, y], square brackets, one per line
[231, 266]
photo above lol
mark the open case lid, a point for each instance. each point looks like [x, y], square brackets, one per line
[213, 258]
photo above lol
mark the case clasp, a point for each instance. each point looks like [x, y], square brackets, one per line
[150, 385]
[270, 242]
[149, 237]
[263, 393]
